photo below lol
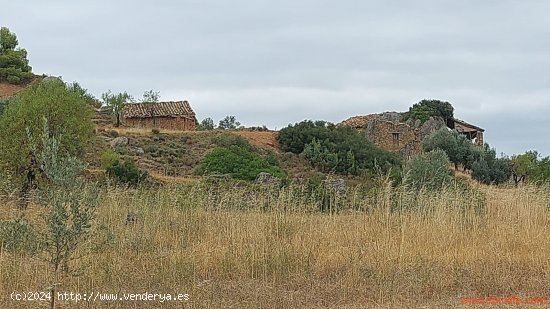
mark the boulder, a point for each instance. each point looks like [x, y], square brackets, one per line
[337, 185]
[119, 141]
[267, 179]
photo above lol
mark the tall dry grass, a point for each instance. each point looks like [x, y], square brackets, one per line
[241, 247]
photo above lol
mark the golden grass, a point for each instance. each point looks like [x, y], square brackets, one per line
[251, 258]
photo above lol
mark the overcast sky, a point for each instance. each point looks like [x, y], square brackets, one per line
[279, 62]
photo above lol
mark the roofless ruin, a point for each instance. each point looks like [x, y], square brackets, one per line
[403, 132]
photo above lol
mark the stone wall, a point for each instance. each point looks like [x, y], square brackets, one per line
[163, 123]
[392, 136]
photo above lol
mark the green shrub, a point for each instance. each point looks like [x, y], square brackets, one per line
[13, 79]
[18, 236]
[123, 171]
[338, 149]
[237, 159]
[3, 105]
[108, 158]
[151, 148]
[428, 171]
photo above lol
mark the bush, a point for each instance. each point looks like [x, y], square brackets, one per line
[13, 79]
[3, 105]
[429, 171]
[125, 172]
[108, 158]
[18, 236]
[339, 149]
[236, 158]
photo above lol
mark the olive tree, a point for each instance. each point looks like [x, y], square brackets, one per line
[116, 102]
[457, 147]
[428, 171]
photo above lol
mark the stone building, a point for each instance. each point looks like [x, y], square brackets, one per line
[388, 132]
[396, 137]
[176, 116]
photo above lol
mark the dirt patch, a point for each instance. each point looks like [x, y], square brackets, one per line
[8, 90]
[266, 139]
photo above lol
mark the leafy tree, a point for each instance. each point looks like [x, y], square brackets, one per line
[151, 96]
[229, 122]
[458, 148]
[68, 117]
[425, 109]
[541, 172]
[473, 156]
[206, 124]
[14, 65]
[429, 171]
[490, 169]
[523, 166]
[116, 103]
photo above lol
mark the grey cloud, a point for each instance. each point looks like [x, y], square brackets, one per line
[279, 62]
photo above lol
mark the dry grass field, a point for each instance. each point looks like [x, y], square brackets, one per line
[234, 249]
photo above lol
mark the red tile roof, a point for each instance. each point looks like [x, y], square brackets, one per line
[160, 109]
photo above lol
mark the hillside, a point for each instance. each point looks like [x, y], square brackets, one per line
[172, 156]
[7, 90]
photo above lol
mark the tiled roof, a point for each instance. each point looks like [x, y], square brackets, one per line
[468, 125]
[160, 109]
